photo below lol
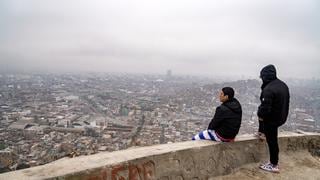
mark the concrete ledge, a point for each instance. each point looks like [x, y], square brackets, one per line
[185, 160]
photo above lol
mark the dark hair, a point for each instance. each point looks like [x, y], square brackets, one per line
[228, 91]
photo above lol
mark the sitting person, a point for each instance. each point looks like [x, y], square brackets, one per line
[226, 122]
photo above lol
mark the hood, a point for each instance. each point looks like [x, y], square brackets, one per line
[268, 73]
[234, 105]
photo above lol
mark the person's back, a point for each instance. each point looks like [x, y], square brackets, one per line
[280, 102]
[275, 97]
[229, 127]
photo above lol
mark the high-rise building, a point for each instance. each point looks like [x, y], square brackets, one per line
[169, 73]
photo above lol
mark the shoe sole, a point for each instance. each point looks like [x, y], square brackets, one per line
[277, 172]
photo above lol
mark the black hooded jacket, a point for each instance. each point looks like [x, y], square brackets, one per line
[227, 119]
[274, 98]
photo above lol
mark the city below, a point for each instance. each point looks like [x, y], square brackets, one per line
[45, 117]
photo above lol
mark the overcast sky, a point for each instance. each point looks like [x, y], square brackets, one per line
[199, 37]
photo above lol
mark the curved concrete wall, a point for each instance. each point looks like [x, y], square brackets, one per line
[177, 161]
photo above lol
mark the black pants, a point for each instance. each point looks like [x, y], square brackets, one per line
[271, 133]
[261, 127]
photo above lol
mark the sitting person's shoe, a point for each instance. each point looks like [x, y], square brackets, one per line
[270, 167]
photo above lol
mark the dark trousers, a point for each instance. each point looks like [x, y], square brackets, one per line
[261, 127]
[271, 133]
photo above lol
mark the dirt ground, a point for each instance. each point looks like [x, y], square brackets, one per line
[293, 166]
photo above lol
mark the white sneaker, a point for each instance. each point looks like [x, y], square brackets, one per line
[270, 167]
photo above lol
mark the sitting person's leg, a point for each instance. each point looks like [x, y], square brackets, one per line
[206, 135]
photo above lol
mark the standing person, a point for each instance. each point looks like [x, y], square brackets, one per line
[272, 113]
[226, 122]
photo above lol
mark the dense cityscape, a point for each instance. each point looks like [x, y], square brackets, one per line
[45, 117]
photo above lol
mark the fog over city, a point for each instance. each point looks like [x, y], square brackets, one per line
[214, 38]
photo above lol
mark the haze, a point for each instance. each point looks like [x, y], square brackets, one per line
[208, 37]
